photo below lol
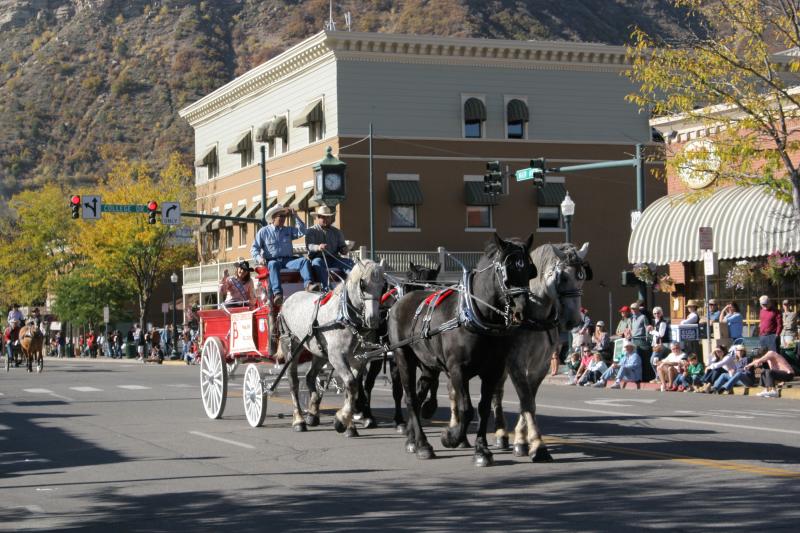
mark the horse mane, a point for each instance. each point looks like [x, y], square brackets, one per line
[491, 251]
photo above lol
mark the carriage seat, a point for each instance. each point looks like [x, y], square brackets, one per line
[287, 275]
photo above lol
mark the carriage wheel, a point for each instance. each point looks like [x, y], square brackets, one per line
[255, 399]
[213, 378]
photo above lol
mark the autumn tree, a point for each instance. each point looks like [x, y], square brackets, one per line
[729, 75]
[82, 294]
[134, 253]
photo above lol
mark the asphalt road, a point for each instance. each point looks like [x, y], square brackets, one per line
[100, 445]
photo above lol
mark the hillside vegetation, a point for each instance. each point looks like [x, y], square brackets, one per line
[85, 82]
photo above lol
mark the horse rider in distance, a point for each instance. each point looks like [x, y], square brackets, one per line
[273, 247]
[326, 246]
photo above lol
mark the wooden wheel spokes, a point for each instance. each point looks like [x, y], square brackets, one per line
[255, 400]
[213, 378]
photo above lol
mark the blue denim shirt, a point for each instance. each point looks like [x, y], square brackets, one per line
[273, 242]
[633, 363]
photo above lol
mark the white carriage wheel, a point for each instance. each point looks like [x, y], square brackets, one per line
[254, 397]
[213, 378]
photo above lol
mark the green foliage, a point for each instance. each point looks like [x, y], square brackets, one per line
[81, 295]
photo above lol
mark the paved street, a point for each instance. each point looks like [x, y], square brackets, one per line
[88, 444]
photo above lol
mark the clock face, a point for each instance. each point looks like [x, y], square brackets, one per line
[333, 182]
[700, 164]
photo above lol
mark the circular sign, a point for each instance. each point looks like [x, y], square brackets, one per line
[700, 164]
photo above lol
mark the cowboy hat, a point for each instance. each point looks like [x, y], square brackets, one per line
[276, 209]
[692, 303]
[243, 264]
[324, 211]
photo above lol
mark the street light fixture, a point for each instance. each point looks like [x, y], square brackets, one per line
[174, 280]
[567, 211]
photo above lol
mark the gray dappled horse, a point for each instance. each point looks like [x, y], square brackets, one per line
[555, 303]
[333, 332]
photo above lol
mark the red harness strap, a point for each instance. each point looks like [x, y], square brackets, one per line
[388, 295]
[322, 301]
[438, 297]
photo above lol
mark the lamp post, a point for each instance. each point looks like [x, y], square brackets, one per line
[174, 280]
[567, 210]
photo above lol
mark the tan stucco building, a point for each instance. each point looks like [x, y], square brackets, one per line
[440, 108]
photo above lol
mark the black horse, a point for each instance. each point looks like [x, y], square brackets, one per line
[419, 274]
[457, 332]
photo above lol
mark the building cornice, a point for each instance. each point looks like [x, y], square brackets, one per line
[391, 48]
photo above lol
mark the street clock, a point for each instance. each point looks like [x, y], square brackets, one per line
[329, 178]
[700, 165]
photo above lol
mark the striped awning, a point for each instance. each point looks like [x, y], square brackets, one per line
[206, 156]
[746, 222]
[551, 195]
[241, 144]
[301, 202]
[405, 192]
[474, 110]
[517, 111]
[286, 199]
[310, 113]
[263, 131]
[474, 194]
[277, 128]
[222, 223]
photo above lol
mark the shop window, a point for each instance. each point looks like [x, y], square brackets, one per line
[229, 237]
[215, 240]
[474, 117]
[404, 216]
[550, 217]
[242, 235]
[479, 216]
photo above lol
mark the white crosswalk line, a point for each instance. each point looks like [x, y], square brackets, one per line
[133, 387]
[38, 391]
[86, 389]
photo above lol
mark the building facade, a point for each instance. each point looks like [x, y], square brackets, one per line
[440, 109]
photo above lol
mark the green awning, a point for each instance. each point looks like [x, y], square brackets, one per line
[474, 195]
[310, 113]
[551, 195]
[405, 192]
[474, 110]
[517, 111]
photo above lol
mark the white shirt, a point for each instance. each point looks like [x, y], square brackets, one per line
[674, 357]
[691, 319]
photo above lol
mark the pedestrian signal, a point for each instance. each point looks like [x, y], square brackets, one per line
[152, 208]
[75, 204]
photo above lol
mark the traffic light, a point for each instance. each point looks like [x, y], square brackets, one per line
[152, 208]
[538, 166]
[75, 204]
[493, 179]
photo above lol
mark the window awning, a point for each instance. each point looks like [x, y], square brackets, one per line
[310, 113]
[241, 144]
[206, 226]
[301, 202]
[256, 211]
[286, 199]
[474, 110]
[517, 111]
[474, 195]
[206, 157]
[277, 128]
[551, 195]
[221, 223]
[262, 132]
[239, 211]
[405, 192]
[746, 221]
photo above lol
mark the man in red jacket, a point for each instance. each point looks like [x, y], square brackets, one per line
[770, 324]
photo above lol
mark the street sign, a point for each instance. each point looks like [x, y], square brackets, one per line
[709, 263]
[165, 307]
[170, 213]
[92, 207]
[706, 238]
[106, 314]
[124, 208]
[525, 174]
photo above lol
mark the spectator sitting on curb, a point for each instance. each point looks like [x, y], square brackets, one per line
[602, 341]
[741, 375]
[778, 370]
[723, 363]
[691, 375]
[628, 368]
[611, 370]
[595, 370]
[668, 368]
[573, 364]
[586, 360]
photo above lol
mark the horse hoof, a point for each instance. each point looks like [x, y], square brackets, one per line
[300, 428]
[428, 409]
[411, 447]
[449, 440]
[520, 450]
[541, 456]
[483, 459]
[465, 444]
[339, 426]
[425, 452]
[351, 432]
[312, 420]
[502, 443]
[369, 423]
[400, 428]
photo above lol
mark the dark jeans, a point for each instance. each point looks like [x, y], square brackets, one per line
[712, 375]
[770, 376]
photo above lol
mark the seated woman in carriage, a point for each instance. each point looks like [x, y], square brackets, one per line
[237, 290]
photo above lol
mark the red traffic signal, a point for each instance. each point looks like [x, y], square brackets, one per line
[152, 206]
[75, 200]
[75, 204]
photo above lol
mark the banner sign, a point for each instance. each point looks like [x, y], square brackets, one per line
[242, 333]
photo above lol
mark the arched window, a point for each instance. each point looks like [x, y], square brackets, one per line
[516, 119]
[474, 117]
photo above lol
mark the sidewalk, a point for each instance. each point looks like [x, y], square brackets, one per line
[103, 359]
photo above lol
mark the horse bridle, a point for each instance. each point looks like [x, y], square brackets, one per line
[582, 271]
[500, 269]
[349, 314]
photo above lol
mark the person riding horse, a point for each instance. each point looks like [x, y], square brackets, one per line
[237, 290]
[273, 247]
[326, 246]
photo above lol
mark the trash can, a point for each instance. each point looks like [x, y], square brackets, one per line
[69, 347]
[130, 350]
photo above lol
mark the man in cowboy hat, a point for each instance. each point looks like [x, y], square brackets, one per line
[273, 247]
[326, 246]
[238, 290]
